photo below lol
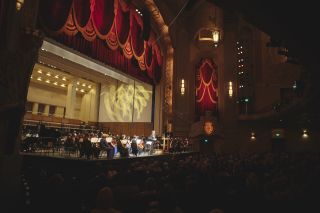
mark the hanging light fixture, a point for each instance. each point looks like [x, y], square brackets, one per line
[211, 32]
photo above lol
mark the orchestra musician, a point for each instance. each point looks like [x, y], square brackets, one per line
[103, 143]
[121, 148]
[140, 145]
[110, 146]
[69, 144]
[95, 145]
[150, 142]
[86, 148]
[134, 146]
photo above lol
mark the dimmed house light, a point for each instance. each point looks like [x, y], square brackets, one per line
[63, 85]
[209, 34]
[82, 90]
[89, 86]
[19, 4]
[253, 136]
[40, 71]
[55, 83]
[64, 79]
[294, 86]
[48, 81]
[39, 79]
[216, 36]
[230, 89]
[182, 87]
[305, 134]
[57, 76]
[48, 74]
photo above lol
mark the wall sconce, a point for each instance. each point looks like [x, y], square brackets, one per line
[210, 35]
[253, 136]
[19, 4]
[182, 87]
[216, 36]
[305, 134]
[230, 89]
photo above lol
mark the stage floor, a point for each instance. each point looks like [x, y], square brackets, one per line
[102, 157]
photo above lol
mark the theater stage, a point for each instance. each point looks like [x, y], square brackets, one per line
[103, 157]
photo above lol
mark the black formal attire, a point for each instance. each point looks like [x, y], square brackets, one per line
[134, 147]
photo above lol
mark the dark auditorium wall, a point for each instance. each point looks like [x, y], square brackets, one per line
[269, 78]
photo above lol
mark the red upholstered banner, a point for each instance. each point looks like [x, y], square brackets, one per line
[206, 87]
[107, 30]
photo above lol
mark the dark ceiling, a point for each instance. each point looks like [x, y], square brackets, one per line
[295, 23]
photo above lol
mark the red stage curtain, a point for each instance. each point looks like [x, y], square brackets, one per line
[137, 41]
[103, 16]
[81, 11]
[98, 50]
[122, 23]
[119, 28]
[148, 54]
[206, 87]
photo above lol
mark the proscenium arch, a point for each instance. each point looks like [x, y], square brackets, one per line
[168, 51]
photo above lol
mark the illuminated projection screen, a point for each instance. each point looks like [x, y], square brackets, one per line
[121, 102]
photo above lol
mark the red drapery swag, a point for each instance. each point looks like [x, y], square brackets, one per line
[110, 31]
[206, 87]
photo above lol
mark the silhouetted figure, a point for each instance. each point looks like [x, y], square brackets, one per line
[134, 146]
[86, 147]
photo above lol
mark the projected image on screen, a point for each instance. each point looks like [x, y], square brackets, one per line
[120, 102]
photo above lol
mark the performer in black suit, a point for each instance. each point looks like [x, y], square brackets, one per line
[103, 142]
[134, 146]
[86, 146]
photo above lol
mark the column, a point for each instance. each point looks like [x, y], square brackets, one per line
[85, 107]
[71, 99]
[46, 110]
[19, 52]
[59, 112]
[90, 105]
[35, 107]
[95, 104]
[158, 109]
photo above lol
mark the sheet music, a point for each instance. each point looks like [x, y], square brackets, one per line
[94, 140]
